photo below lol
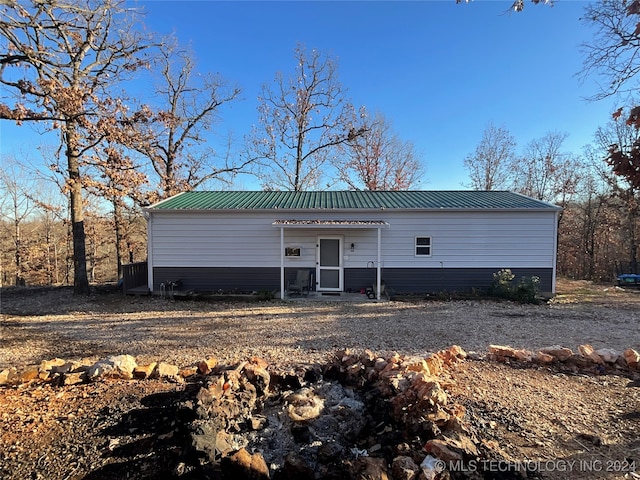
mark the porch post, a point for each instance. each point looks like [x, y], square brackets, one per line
[378, 281]
[281, 263]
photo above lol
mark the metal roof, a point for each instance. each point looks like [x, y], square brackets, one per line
[352, 200]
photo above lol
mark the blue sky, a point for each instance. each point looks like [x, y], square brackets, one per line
[439, 71]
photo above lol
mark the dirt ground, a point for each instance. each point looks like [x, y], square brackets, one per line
[569, 425]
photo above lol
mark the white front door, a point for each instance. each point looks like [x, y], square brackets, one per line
[329, 264]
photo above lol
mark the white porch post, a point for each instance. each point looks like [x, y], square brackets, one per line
[281, 263]
[378, 281]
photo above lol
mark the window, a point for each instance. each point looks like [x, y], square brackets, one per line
[423, 246]
[292, 251]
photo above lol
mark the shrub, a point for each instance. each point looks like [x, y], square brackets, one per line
[525, 291]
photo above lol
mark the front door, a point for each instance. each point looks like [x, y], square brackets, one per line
[329, 264]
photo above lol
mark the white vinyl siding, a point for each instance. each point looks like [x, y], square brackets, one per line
[464, 239]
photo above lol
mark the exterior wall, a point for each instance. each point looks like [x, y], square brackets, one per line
[400, 280]
[243, 248]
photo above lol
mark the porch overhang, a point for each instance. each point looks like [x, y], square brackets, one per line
[330, 224]
[341, 224]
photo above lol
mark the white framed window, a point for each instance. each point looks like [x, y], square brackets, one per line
[423, 247]
[293, 251]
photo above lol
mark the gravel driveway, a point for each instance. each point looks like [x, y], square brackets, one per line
[38, 325]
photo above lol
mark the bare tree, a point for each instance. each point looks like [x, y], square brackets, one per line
[60, 58]
[545, 171]
[518, 5]
[379, 159]
[120, 182]
[172, 135]
[619, 143]
[490, 166]
[612, 54]
[15, 208]
[303, 120]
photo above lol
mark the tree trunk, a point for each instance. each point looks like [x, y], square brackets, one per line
[117, 220]
[18, 256]
[80, 279]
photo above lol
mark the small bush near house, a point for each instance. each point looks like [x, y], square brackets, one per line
[525, 291]
[265, 295]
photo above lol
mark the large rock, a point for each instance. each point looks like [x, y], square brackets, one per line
[588, 352]
[404, 468]
[144, 371]
[632, 358]
[117, 366]
[166, 370]
[47, 366]
[562, 354]
[544, 358]
[207, 365]
[8, 375]
[244, 465]
[73, 378]
[503, 351]
[440, 449]
[609, 355]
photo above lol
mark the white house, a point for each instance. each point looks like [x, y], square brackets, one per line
[413, 241]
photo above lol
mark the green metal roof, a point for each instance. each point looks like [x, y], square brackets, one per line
[352, 200]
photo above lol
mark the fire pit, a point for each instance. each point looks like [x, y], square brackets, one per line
[360, 416]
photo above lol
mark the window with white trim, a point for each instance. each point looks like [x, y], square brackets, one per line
[423, 246]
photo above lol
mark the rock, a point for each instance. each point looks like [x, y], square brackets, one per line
[46, 367]
[123, 365]
[609, 355]
[431, 392]
[259, 377]
[144, 371]
[632, 358]
[404, 468]
[502, 351]
[73, 378]
[118, 366]
[370, 468]
[7, 375]
[435, 364]
[65, 368]
[379, 364]
[296, 468]
[258, 362]
[419, 366]
[441, 450]
[99, 369]
[244, 465]
[258, 422]
[588, 352]
[188, 371]
[206, 366]
[28, 374]
[544, 358]
[211, 441]
[452, 354]
[559, 353]
[304, 405]
[431, 467]
[166, 370]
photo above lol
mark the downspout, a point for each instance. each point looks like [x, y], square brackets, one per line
[281, 263]
[378, 272]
